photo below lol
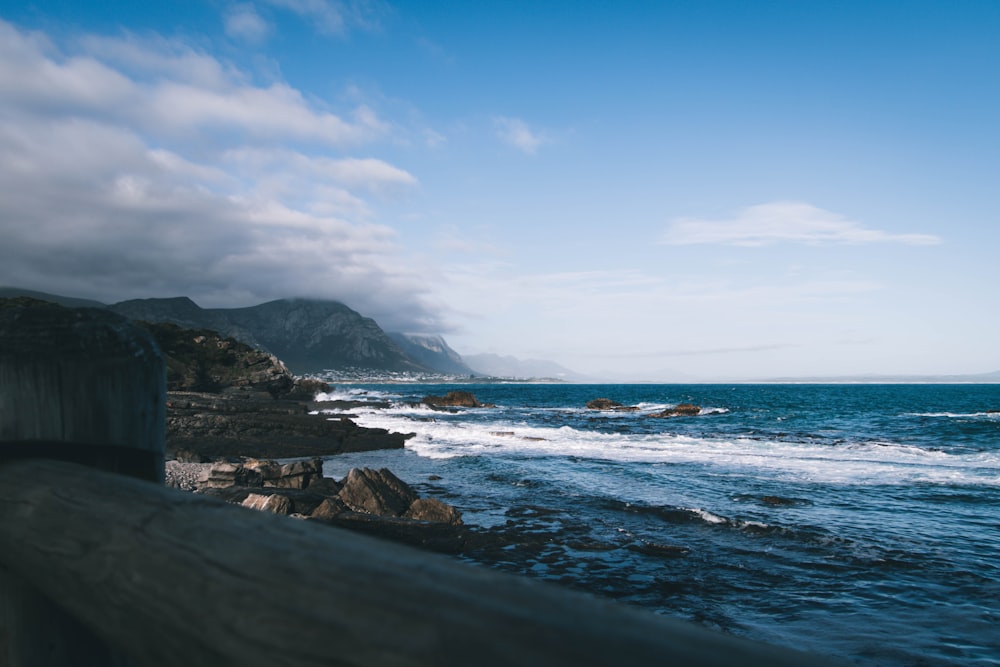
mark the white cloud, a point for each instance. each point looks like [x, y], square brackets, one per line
[166, 89]
[115, 183]
[516, 133]
[783, 221]
[333, 17]
[244, 23]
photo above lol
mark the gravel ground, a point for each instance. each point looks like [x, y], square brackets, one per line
[186, 475]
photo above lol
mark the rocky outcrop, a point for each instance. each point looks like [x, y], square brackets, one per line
[455, 399]
[679, 410]
[300, 488]
[255, 425]
[608, 404]
[202, 360]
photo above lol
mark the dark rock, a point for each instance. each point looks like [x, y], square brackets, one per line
[608, 404]
[778, 501]
[329, 509]
[297, 475]
[305, 389]
[661, 550]
[432, 536]
[223, 475]
[376, 492]
[432, 509]
[433, 478]
[455, 399]
[242, 423]
[202, 360]
[679, 410]
[188, 456]
[326, 486]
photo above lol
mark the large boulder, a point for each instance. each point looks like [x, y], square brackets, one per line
[376, 492]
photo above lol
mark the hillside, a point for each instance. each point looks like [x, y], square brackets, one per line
[309, 336]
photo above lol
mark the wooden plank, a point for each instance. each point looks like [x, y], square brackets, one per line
[83, 385]
[82, 377]
[178, 579]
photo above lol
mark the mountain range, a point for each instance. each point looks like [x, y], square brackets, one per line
[309, 336]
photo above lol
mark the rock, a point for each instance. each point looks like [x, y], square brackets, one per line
[223, 475]
[274, 503]
[325, 486]
[455, 399]
[329, 509]
[608, 404]
[679, 410]
[305, 389]
[432, 509]
[376, 492]
[246, 423]
[297, 475]
[188, 456]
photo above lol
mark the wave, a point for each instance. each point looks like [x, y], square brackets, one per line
[494, 433]
[989, 414]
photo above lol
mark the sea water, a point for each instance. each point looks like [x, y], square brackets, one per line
[857, 521]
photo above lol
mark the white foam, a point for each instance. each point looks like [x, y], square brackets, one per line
[860, 463]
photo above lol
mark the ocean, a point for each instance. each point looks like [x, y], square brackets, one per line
[857, 521]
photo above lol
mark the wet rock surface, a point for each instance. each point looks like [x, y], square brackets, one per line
[254, 424]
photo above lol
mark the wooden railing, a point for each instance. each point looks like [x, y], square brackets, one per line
[103, 568]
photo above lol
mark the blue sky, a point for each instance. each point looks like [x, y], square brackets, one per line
[645, 190]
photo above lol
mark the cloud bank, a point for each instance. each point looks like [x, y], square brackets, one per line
[135, 169]
[783, 222]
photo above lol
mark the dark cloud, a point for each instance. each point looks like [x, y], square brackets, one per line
[97, 205]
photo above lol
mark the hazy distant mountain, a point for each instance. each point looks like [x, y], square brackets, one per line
[307, 335]
[432, 351]
[511, 367]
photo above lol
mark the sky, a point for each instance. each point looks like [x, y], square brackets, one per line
[679, 190]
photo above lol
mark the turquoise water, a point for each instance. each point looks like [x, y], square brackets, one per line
[861, 521]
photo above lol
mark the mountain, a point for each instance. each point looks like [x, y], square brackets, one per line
[432, 351]
[511, 367]
[67, 301]
[308, 335]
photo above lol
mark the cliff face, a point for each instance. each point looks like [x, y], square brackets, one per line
[307, 335]
[432, 351]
